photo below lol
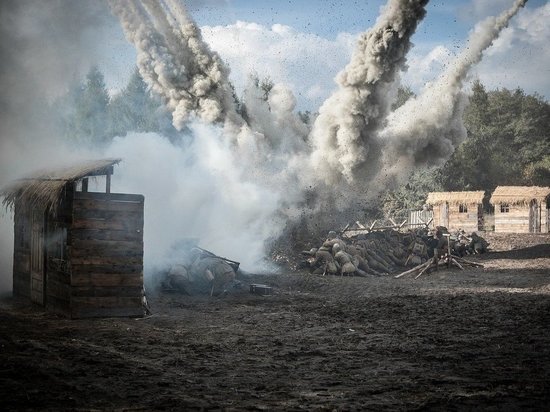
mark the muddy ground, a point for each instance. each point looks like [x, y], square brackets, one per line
[452, 340]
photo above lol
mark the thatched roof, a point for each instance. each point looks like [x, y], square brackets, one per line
[44, 189]
[455, 198]
[519, 194]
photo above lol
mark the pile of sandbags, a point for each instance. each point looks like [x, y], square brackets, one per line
[376, 253]
[384, 252]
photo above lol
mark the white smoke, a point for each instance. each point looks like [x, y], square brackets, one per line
[427, 129]
[196, 190]
[175, 61]
[347, 120]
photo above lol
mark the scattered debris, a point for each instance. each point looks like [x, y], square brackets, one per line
[200, 271]
[260, 289]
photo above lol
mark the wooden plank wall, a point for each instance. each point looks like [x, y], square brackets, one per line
[106, 254]
[22, 253]
[58, 278]
[517, 219]
[514, 221]
[456, 220]
[468, 221]
[545, 218]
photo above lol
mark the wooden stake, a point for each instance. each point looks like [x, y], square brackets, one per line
[413, 269]
[456, 263]
[423, 270]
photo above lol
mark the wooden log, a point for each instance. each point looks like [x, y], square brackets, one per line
[424, 270]
[416, 268]
[372, 226]
[468, 262]
[456, 263]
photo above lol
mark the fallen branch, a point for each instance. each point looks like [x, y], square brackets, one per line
[424, 270]
[414, 269]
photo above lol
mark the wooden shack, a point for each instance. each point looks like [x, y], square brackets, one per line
[77, 252]
[521, 209]
[457, 210]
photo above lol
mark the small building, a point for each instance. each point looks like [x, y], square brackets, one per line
[457, 210]
[521, 209]
[77, 252]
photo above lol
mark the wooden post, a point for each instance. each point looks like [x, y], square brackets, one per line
[108, 183]
[448, 236]
[85, 184]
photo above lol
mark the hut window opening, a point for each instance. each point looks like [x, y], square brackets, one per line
[462, 208]
[504, 208]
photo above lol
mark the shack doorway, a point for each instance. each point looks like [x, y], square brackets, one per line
[38, 284]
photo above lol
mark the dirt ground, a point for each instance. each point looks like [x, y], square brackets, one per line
[450, 340]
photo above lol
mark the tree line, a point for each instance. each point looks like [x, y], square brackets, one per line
[508, 144]
[508, 141]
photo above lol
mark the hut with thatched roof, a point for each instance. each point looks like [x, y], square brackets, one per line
[78, 249]
[457, 210]
[521, 209]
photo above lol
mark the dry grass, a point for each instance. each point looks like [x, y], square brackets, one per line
[454, 198]
[44, 189]
[519, 194]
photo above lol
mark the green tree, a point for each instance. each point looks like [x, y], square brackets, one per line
[507, 144]
[134, 109]
[413, 194]
[88, 122]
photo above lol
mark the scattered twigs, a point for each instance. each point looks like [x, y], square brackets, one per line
[446, 259]
[431, 263]
[414, 269]
[468, 262]
[456, 263]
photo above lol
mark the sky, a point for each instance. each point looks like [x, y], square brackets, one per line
[304, 43]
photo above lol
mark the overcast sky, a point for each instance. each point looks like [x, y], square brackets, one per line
[304, 43]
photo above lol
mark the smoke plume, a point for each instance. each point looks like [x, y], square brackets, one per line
[175, 61]
[427, 129]
[347, 120]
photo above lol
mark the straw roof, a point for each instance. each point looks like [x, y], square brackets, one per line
[44, 189]
[519, 194]
[454, 198]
